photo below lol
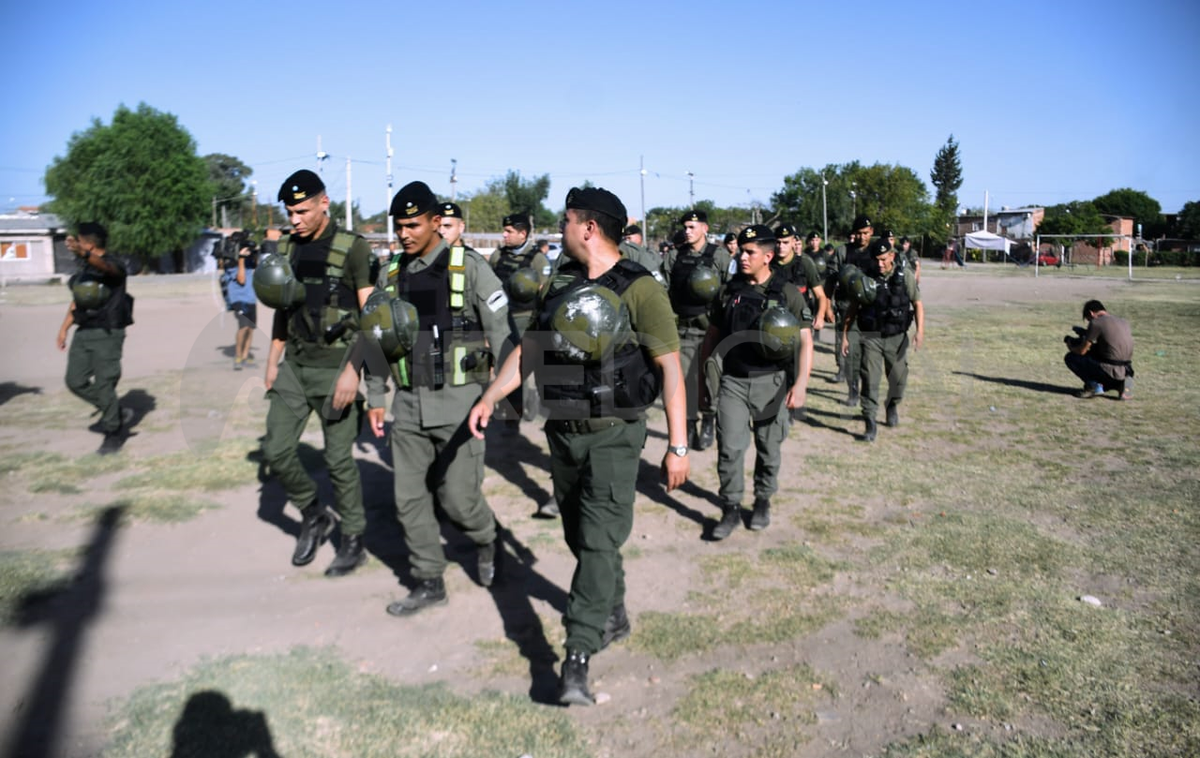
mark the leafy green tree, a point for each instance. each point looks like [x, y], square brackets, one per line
[1187, 223]
[1075, 217]
[140, 177]
[892, 196]
[228, 176]
[337, 212]
[528, 195]
[1144, 209]
[485, 210]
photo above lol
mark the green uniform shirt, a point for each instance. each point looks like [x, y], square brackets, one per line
[356, 275]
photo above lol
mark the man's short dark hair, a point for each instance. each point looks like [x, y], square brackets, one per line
[1092, 306]
[609, 226]
[95, 232]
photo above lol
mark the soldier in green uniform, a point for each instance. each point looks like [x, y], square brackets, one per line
[910, 257]
[602, 344]
[694, 271]
[633, 249]
[764, 329]
[317, 283]
[522, 270]
[887, 304]
[100, 309]
[854, 254]
[453, 225]
[463, 324]
[800, 271]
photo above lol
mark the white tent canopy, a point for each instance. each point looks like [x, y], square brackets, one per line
[987, 241]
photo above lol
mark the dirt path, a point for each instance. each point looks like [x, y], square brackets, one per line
[222, 583]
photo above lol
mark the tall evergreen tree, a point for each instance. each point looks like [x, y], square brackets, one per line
[946, 176]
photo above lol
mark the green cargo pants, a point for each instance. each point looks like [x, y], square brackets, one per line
[93, 370]
[747, 405]
[595, 476]
[297, 392]
[883, 356]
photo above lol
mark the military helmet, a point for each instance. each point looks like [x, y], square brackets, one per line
[779, 334]
[89, 292]
[275, 283]
[703, 283]
[522, 287]
[391, 322]
[590, 324]
[821, 260]
[863, 289]
[847, 276]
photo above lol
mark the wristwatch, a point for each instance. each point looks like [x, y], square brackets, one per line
[679, 450]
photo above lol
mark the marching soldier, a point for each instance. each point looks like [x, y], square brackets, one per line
[522, 270]
[602, 344]
[762, 325]
[886, 301]
[694, 271]
[439, 321]
[317, 283]
[852, 253]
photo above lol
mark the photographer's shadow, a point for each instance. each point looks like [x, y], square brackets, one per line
[1054, 389]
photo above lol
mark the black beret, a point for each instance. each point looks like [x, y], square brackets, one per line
[414, 199]
[632, 229]
[756, 233]
[887, 232]
[904, 239]
[300, 186]
[879, 247]
[785, 232]
[92, 229]
[861, 222]
[731, 237]
[699, 216]
[450, 209]
[517, 220]
[812, 236]
[596, 199]
[828, 247]
[679, 238]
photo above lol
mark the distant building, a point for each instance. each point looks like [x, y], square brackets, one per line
[33, 246]
[1019, 224]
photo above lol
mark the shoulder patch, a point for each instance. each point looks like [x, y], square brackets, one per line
[497, 301]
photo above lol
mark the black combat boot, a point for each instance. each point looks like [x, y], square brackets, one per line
[350, 555]
[616, 626]
[428, 593]
[315, 526]
[694, 434]
[871, 429]
[113, 441]
[708, 431]
[487, 560]
[853, 398]
[893, 415]
[730, 520]
[573, 684]
[761, 518]
[548, 509]
[840, 376]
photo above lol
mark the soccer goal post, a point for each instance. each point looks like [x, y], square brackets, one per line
[1037, 253]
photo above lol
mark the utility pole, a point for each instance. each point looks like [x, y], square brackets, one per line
[388, 202]
[214, 219]
[453, 180]
[691, 190]
[853, 200]
[824, 207]
[642, 177]
[254, 200]
[349, 222]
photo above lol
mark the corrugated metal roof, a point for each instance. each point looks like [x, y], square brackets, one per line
[41, 223]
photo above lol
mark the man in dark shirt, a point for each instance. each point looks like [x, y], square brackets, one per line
[1102, 356]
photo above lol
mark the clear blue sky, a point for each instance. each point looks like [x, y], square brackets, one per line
[1050, 101]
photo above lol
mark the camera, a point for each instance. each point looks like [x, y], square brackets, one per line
[228, 249]
[1076, 339]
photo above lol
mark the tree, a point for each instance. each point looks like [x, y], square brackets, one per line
[1144, 209]
[1075, 217]
[140, 177]
[1187, 223]
[527, 196]
[946, 176]
[485, 210]
[228, 176]
[337, 212]
[892, 196]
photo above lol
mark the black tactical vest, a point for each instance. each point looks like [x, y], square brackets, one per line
[117, 311]
[508, 264]
[892, 311]
[623, 385]
[683, 302]
[744, 307]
